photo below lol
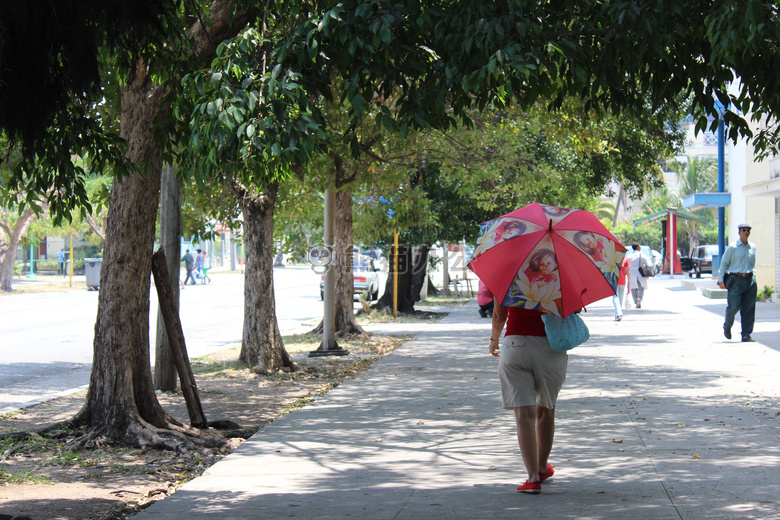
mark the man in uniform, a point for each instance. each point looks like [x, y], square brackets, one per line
[737, 274]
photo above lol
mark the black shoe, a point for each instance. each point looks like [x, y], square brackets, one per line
[747, 339]
[727, 332]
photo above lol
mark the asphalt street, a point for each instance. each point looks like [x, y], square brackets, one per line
[46, 345]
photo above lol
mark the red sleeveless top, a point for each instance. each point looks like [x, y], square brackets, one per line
[524, 322]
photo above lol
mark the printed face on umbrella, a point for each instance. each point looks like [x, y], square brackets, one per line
[537, 285]
[498, 230]
[604, 253]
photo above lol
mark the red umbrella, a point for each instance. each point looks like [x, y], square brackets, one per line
[540, 257]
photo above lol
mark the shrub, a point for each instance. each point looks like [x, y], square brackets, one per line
[646, 235]
[766, 294]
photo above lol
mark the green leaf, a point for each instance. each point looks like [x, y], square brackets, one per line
[357, 104]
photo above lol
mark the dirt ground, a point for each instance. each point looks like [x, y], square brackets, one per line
[42, 479]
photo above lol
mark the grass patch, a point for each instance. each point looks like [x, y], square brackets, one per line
[44, 287]
[72, 458]
[32, 443]
[222, 364]
[225, 364]
[435, 301]
[23, 477]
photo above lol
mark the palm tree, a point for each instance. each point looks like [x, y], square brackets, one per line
[700, 176]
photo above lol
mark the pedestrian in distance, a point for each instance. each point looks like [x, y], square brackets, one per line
[737, 274]
[199, 265]
[484, 300]
[205, 265]
[618, 299]
[189, 264]
[531, 375]
[637, 282]
[61, 261]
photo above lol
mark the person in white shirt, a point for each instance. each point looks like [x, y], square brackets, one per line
[637, 282]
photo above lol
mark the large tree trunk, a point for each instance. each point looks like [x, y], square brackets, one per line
[344, 315]
[419, 270]
[343, 242]
[121, 404]
[8, 248]
[405, 299]
[262, 344]
[170, 241]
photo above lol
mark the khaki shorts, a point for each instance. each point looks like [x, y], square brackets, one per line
[531, 372]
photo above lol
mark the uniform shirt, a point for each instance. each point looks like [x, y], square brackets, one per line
[739, 258]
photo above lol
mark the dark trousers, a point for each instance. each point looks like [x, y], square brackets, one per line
[742, 298]
[486, 310]
[190, 276]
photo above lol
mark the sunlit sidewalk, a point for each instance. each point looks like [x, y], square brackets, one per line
[661, 418]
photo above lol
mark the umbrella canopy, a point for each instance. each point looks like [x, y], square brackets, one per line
[540, 257]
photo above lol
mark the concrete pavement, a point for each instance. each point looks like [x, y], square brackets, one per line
[660, 418]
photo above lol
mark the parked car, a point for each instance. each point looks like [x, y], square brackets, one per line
[702, 260]
[364, 278]
[686, 263]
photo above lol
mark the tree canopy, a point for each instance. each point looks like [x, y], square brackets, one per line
[427, 64]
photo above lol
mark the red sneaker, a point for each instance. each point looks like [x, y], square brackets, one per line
[544, 475]
[533, 488]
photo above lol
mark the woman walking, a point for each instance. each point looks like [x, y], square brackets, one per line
[619, 298]
[531, 375]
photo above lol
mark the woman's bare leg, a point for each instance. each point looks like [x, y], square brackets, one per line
[545, 432]
[525, 417]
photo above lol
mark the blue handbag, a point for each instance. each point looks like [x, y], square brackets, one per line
[565, 333]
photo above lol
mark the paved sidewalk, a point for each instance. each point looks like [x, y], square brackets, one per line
[660, 418]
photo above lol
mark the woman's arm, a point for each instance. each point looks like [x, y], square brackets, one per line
[499, 319]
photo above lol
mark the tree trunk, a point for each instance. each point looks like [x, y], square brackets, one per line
[345, 323]
[432, 289]
[177, 345]
[121, 403]
[405, 300]
[8, 249]
[419, 270]
[170, 241]
[262, 344]
[343, 238]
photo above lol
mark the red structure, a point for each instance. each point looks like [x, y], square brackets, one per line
[668, 218]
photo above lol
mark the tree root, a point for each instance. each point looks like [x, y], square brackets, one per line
[175, 436]
[73, 423]
[351, 331]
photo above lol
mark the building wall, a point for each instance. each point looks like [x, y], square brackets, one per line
[758, 211]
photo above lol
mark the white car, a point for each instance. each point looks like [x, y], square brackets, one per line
[364, 278]
[653, 256]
